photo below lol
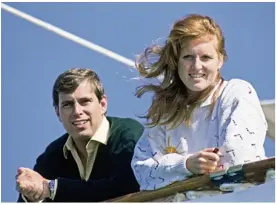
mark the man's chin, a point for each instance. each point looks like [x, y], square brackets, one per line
[82, 134]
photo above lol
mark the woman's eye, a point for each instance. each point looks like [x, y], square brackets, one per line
[206, 57]
[188, 57]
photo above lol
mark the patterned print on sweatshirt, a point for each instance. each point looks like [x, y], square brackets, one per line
[237, 127]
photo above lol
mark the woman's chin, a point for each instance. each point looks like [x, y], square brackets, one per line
[197, 88]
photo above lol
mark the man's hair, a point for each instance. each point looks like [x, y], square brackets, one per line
[69, 81]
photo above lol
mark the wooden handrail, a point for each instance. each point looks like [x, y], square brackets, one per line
[253, 172]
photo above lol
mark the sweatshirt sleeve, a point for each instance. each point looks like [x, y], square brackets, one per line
[242, 124]
[153, 167]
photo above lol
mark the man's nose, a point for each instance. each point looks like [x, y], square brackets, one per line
[77, 109]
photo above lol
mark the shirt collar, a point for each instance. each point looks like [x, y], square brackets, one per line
[208, 100]
[101, 136]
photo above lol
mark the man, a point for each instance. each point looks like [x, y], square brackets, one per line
[91, 162]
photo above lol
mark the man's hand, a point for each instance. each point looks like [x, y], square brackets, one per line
[203, 162]
[32, 185]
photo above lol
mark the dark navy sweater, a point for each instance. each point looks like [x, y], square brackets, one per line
[111, 175]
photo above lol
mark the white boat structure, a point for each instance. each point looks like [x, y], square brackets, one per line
[269, 111]
[241, 183]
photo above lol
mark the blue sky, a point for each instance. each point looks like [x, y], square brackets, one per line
[33, 57]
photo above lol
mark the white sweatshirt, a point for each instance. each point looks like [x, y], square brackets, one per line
[237, 127]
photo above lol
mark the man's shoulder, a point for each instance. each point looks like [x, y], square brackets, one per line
[57, 145]
[127, 128]
[124, 123]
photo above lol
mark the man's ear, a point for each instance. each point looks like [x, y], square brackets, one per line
[57, 112]
[103, 103]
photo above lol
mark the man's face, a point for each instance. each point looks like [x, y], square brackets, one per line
[81, 112]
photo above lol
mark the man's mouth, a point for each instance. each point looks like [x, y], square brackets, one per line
[80, 122]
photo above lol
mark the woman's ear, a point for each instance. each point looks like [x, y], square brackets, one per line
[220, 62]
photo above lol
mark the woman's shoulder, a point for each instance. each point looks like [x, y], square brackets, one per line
[237, 85]
[236, 90]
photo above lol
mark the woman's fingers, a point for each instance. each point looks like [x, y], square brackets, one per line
[209, 156]
[203, 162]
[206, 164]
[213, 150]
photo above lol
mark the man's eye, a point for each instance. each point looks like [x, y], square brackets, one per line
[66, 105]
[86, 101]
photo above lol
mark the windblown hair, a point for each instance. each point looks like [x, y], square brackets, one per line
[69, 81]
[171, 103]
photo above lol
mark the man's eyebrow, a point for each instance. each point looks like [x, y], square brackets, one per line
[67, 101]
[86, 98]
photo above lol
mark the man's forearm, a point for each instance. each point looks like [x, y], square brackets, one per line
[69, 190]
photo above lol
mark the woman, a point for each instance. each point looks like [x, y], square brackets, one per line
[194, 110]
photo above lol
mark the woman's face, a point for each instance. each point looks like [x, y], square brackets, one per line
[199, 64]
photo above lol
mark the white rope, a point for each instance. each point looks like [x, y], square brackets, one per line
[69, 36]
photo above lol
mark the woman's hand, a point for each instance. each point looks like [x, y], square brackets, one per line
[203, 162]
